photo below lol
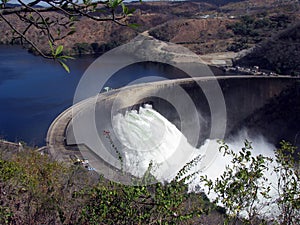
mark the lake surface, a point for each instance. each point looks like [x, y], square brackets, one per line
[33, 90]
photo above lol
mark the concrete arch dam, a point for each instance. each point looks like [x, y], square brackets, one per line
[241, 97]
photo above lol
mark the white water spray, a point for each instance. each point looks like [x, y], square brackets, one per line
[149, 137]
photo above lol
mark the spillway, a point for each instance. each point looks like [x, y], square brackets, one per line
[186, 104]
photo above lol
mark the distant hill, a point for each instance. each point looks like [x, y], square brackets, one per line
[10, 5]
[93, 37]
[279, 53]
[203, 26]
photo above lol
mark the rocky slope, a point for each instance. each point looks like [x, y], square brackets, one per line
[199, 35]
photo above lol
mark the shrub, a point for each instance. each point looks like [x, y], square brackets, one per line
[288, 186]
[242, 183]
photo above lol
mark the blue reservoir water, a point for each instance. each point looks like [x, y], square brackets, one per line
[33, 90]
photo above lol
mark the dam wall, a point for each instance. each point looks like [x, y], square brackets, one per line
[184, 102]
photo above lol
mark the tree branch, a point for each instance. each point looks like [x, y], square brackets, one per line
[34, 18]
[48, 33]
[25, 38]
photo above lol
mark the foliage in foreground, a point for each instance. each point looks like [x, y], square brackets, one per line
[248, 192]
[288, 186]
[155, 204]
[37, 190]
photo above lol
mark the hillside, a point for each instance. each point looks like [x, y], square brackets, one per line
[97, 37]
[203, 26]
[199, 35]
[279, 53]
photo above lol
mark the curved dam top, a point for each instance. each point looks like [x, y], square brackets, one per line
[191, 104]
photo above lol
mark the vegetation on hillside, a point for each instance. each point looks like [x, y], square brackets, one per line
[279, 53]
[251, 30]
[218, 33]
[178, 22]
[37, 190]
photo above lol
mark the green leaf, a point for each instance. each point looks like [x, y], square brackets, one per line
[124, 8]
[59, 50]
[64, 57]
[51, 47]
[115, 3]
[64, 66]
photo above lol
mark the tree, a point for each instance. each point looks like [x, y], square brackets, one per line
[288, 186]
[243, 184]
[246, 189]
[34, 17]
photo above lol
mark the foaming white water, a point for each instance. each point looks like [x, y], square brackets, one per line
[149, 137]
